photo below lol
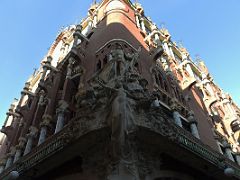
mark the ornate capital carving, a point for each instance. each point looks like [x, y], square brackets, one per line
[21, 143]
[174, 105]
[62, 107]
[46, 120]
[191, 117]
[33, 131]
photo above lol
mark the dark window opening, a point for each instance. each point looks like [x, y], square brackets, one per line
[99, 65]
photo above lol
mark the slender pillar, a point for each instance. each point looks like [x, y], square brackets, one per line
[6, 120]
[228, 150]
[44, 125]
[156, 103]
[90, 25]
[188, 68]
[23, 93]
[9, 161]
[45, 68]
[69, 68]
[19, 149]
[10, 157]
[166, 48]
[60, 120]
[2, 165]
[208, 87]
[177, 118]
[171, 51]
[137, 19]
[237, 155]
[193, 124]
[12, 175]
[176, 114]
[77, 35]
[30, 137]
[43, 134]
[143, 25]
[95, 19]
[17, 155]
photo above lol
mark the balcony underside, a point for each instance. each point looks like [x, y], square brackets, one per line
[86, 152]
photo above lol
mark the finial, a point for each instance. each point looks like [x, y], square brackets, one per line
[198, 58]
[162, 25]
[180, 43]
[34, 71]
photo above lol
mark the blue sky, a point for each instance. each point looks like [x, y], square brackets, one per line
[209, 28]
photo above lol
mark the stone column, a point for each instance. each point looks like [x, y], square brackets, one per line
[69, 68]
[44, 126]
[19, 149]
[90, 25]
[77, 35]
[6, 120]
[60, 117]
[137, 19]
[95, 19]
[228, 150]
[237, 155]
[143, 25]
[30, 137]
[45, 67]
[166, 48]
[176, 115]
[2, 165]
[189, 69]
[12, 175]
[170, 50]
[193, 124]
[23, 93]
[10, 157]
[208, 87]
[156, 103]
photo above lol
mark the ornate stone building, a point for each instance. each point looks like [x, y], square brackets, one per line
[116, 98]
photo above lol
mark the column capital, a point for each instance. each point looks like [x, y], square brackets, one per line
[191, 117]
[62, 107]
[12, 151]
[3, 161]
[46, 120]
[33, 131]
[21, 143]
[174, 105]
[226, 145]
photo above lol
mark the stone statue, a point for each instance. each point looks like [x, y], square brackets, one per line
[123, 63]
[120, 118]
